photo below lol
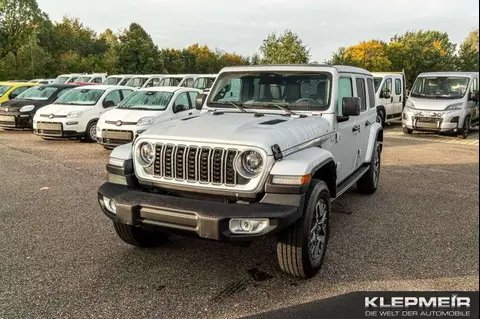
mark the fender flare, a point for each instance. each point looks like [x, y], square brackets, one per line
[122, 152]
[376, 134]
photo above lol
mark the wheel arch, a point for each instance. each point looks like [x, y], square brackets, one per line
[376, 134]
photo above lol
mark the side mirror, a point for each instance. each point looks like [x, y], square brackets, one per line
[475, 96]
[200, 100]
[108, 103]
[179, 108]
[385, 94]
[351, 106]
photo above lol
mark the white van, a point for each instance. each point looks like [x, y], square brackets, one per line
[204, 82]
[390, 96]
[173, 79]
[443, 102]
[97, 78]
[141, 110]
[138, 81]
[75, 113]
[118, 79]
[67, 78]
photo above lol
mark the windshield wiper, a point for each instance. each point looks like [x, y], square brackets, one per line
[237, 106]
[283, 108]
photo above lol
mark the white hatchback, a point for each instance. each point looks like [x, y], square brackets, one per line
[141, 110]
[75, 114]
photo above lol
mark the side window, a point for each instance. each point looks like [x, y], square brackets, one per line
[475, 85]
[371, 92]
[18, 91]
[114, 96]
[126, 93]
[388, 85]
[152, 83]
[182, 99]
[189, 82]
[345, 89]
[176, 81]
[362, 93]
[97, 80]
[398, 87]
[193, 96]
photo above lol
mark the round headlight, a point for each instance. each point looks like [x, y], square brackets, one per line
[250, 164]
[146, 153]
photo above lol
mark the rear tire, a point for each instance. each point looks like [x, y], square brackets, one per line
[407, 131]
[466, 128]
[301, 248]
[368, 184]
[139, 237]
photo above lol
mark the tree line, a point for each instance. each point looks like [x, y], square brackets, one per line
[33, 46]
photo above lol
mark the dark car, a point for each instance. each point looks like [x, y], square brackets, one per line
[19, 112]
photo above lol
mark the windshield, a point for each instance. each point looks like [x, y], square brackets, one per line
[61, 79]
[441, 87]
[112, 81]
[4, 89]
[81, 97]
[147, 100]
[203, 83]
[137, 82]
[123, 81]
[84, 79]
[72, 79]
[377, 82]
[296, 91]
[39, 93]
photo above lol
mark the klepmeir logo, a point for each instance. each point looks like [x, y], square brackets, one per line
[412, 306]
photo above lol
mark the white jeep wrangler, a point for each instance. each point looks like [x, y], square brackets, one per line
[271, 150]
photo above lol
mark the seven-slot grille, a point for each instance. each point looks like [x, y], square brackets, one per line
[196, 164]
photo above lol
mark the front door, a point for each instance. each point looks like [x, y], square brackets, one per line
[474, 104]
[345, 147]
[186, 106]
[398, 96]
[386, 97]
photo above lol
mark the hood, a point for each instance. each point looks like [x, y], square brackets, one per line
[433, 104]
[130, 115]
[242, 129]
[17, 104]
[61, 109]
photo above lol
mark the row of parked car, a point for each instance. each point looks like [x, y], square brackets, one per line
[166, 97]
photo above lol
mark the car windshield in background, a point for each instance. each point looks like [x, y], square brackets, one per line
[147, 100]
[440, 87]
[80, 97]
[61, 80]
[71, 80]
[112, 81]
[296, 91]
[4, 89]
[39, 93]
[84, 79]
[137, 82]
[377, 82]
[203, 83]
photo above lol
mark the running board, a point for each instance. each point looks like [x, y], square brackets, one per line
[352, 179]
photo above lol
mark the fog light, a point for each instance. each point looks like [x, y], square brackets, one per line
[110, 205]
[455, 119]
[248, 226]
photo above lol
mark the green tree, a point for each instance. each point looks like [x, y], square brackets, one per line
[18, 20]
[286, 48]
[468, 59]
[421, 51]
[137, 52]
[371, 55]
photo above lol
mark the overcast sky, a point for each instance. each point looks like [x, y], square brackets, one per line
[240, 26]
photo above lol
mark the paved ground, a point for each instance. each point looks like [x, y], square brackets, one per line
[60, 257]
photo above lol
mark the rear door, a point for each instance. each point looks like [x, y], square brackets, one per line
[368, 113]
[398, 96]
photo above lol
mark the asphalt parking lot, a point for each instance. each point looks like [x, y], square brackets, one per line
[61, 258]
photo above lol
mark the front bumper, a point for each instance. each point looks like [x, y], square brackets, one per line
[207, 219]
[432, 121]
[112, 135]
[15, 120]
[58, 128]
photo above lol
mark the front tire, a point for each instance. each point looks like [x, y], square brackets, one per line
[368, 184]
[139, 237]
[466, 128]
[301, 248]
[381, 118]
[91, 133]
[407, 131]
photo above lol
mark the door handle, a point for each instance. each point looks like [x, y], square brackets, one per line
[190, 113]
[356, 128]
[391, 99]
[368, 123]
